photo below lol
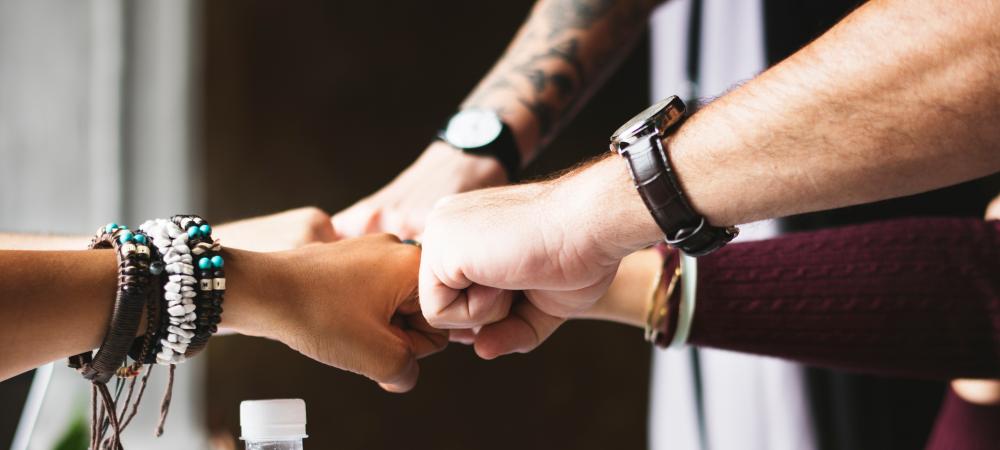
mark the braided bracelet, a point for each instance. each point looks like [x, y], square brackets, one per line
[210, 276]
[178, 291]
[145, 348]
[133, 289]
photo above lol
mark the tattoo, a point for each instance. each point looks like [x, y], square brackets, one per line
[575, 14]
[551, 66]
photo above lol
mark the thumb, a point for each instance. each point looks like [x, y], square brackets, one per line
[524, 329]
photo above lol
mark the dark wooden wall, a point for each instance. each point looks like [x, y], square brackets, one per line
[323, 102]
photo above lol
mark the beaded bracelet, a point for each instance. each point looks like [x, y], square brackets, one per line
[178, 291]
[210, 276]
[133, 256]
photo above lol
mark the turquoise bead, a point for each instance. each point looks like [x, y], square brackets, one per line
[125, 237]
[111, 227]
[217, 261]
[193, 232]
[140, 239]
[205, 230]
[204, 264]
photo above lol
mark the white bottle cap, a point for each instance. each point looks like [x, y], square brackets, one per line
[273, 420]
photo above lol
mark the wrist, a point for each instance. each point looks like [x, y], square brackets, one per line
[250, 280]
[472, 171]
[626, 299]
[605, 208]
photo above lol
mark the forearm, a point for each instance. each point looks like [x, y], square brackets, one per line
[901, 97]
[557, 60]
[55, 304]
[59, 303]
[22, 241]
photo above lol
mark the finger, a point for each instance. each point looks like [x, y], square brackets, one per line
[325, 232]
[405, 380]
[523, 330]
[390, 221]
[993, 210]
[466, 337]
[482, 305]
[354, 221]
[437, 294]
[388, 359]
[425, 340]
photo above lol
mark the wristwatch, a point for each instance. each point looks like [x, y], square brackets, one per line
[641, 144]
[481, 132]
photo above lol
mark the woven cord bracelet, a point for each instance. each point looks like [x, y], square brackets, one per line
[133, 255]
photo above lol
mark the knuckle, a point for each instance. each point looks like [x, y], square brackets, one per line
[314, 215]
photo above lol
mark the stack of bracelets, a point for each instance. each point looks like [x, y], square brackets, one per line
[172, 269]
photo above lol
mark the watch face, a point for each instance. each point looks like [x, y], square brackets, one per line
[657, 118]
[473, 128]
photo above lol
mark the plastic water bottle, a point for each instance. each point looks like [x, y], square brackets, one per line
[278, 424]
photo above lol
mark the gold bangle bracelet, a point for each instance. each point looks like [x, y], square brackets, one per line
[651, 304]
[662, 311]
[658, 305]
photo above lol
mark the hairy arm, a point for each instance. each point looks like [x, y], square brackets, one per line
[901, 97]
[558, 59]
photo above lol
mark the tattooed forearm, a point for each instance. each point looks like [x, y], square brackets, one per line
[559, 57]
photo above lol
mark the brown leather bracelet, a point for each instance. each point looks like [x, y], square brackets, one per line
[133, 290]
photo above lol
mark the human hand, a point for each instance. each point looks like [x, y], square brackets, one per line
[285, 230]
[560, 242]
[350, 304]
[401, 206]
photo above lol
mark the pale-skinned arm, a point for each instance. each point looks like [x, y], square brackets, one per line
[899, 98]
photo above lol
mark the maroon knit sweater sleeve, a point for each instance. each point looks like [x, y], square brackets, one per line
[913, 297]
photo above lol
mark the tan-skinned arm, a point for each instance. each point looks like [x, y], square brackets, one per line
[58, 303]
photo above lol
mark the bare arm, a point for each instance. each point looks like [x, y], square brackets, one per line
[58, 303]
[560, 56]
[285, 230]
[558, 59]
[24, 241]
[901, 97]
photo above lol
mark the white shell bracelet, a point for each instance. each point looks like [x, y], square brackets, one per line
[178, 292]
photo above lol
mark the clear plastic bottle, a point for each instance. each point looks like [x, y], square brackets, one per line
[278, 424]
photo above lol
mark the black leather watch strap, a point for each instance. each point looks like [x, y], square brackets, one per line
[655, 180]
[503, 149]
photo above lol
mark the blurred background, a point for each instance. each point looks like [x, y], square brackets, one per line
[125, 110]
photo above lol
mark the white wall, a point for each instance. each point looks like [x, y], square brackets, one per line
[96, 125]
